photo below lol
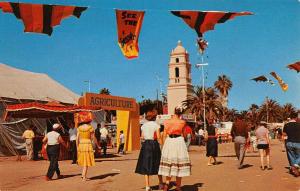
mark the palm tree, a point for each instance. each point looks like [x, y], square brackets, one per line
[194, 102]
[212, 103]
[230, 115]
[244, 114]
[223, 84]
[253, 114]
[270, 111]
[104, 91]
[287, 110]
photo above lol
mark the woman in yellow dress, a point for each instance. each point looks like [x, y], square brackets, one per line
[85, 135]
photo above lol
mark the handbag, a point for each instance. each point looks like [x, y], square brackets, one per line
[205, 136]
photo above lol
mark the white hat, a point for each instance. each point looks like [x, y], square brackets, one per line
[55, 126]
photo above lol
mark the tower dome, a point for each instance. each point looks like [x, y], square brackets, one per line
[179, 49]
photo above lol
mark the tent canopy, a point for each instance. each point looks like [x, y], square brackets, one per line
[39, 110]
[20, 84]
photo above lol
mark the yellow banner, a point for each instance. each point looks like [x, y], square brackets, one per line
[283, 85]
[129, 26]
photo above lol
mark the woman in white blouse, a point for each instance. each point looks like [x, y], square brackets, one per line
[149, 158]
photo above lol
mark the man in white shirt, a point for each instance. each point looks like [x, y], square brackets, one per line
[73, 148]
[201, 136]
[53, 140]
[103, 138]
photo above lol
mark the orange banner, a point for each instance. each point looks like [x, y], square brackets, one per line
[129, 26]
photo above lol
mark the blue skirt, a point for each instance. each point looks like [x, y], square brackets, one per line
[149, 158]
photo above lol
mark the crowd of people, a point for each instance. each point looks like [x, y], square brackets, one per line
[165, 151]
[173, 160]
[82, 143]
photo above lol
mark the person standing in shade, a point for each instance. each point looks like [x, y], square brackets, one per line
[175, 160]
[149, 157]
[37, 143]
[73, 147]
[103, 138]
[292, 131]
[97, 136]
[212, 144]
[239, 133]
[28, 135]
[53, 139]
[263, 144]
[121, 143]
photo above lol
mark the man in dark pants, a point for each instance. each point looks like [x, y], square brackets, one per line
[36, 143]
[73, 147]
[103, 138]
[292, 131]
[239, 133]
[53, 155]
[53, 139]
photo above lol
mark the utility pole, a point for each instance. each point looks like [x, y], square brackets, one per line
[157, 101]
[89, 84]
[161, 92]
[267, 107]
[203, 90]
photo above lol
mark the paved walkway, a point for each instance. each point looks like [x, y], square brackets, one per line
[116, 173]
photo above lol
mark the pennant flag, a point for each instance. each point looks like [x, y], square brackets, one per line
[203, 21]
[263, 79]
[41, 18]
[295, 66]
[129, 26]
[260, 79]
[202, 45]
[283, 85]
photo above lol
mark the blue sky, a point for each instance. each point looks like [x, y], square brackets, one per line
[86, 48]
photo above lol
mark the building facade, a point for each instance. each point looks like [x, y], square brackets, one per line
[180, 81]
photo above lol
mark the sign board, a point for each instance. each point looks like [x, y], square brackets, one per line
[161, 118]
[188, 117]
[108, 102]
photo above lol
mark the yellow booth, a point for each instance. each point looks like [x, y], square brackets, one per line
[127, 115]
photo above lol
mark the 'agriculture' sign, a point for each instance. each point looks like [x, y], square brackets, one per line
[109, 102]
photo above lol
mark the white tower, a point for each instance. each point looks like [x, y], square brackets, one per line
[180, 83]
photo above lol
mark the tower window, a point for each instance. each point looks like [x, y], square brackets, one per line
[176, 72]
[177, 60]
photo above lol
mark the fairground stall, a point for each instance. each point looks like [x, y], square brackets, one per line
[51, 113]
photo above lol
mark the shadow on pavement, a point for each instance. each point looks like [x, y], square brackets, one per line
[193, 187]
[103, 176]
[104, 160]
[247, 166]
[67, 176]
[219, 162]
[108, 156]
[235, 156]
